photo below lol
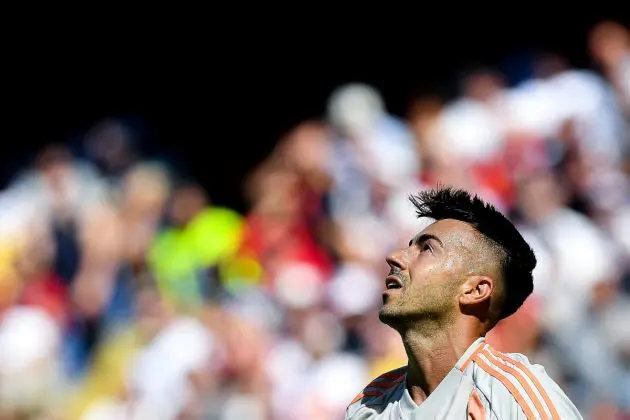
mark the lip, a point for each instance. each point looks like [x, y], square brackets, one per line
[395, 279]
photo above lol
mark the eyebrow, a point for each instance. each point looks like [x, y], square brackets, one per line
[424, 238]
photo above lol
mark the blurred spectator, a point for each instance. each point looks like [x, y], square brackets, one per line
[187, 254]
[110, 144]
[610, 47]
[31, 316]
[473, 127]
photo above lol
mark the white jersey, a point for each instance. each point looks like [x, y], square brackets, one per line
[484, 384]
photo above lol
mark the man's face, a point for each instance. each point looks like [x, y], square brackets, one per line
[425, 277]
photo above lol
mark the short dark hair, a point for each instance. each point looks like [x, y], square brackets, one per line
[517, 259]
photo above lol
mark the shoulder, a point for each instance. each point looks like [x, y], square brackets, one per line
[370, 397]
[512, 387]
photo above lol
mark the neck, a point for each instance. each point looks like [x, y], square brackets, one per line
[432, 353]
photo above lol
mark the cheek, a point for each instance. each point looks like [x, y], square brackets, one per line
[427, 269]
[422, 270]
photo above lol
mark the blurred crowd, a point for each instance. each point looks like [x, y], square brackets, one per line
[127, 293]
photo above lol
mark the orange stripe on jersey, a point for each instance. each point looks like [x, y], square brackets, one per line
[535, 381]
[388, 381]
[366, 394]
[509, 369]
[506, 382]
[392, 376]
[383, 384]
[472, 356]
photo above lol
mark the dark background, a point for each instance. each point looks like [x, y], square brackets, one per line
[217, 106]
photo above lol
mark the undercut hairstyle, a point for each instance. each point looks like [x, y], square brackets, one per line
[516, 258]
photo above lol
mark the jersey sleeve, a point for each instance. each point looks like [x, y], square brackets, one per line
[362, 407]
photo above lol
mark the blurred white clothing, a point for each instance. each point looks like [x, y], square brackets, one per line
[29, 358]
[159, 374]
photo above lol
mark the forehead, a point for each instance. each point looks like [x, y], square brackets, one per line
[452, 231]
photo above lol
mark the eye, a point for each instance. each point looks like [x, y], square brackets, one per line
[425, 247]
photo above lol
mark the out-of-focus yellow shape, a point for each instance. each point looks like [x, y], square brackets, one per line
[106, 379]
[178, 255]
[243, 270]
[9, 278]
[386, 363]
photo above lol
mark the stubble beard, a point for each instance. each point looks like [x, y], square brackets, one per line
[430, 310]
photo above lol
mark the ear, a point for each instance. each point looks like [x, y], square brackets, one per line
[476, 290]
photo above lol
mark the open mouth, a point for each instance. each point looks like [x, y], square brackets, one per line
[392, 282]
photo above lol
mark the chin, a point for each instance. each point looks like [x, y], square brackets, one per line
[388, 315]
[397, 317]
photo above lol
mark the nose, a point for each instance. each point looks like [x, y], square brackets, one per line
[396, 261]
